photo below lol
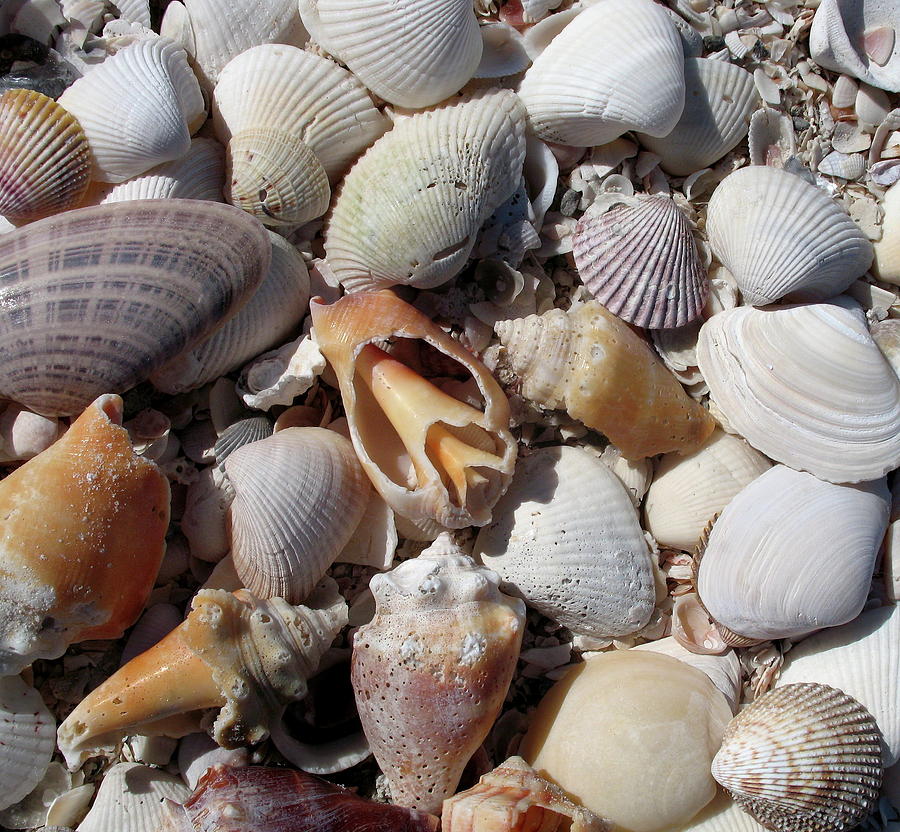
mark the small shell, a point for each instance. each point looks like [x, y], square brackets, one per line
[24, 434]
[887, 250]
[242, 433]
[503, 53]
[279, 376]
[771, 139]
[199, 752]
[153, 625]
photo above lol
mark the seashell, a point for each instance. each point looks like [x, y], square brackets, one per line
[430, 455]
[807, 386]
[843, 165]
[637, 256]
[205, 511]
[607, 736]
[718, 101]
[241, 433]
[199, 752]
[891, 563]
[821, 759]
[97, 514]
[279, 376]
[374, 541]
[299, 495]
[138, 108]
[245, 656]
[135, 11]
[722, 815]
[779, 235]
[688, 491]
[503, 51]
[771, 139]
[132, 300]
[409, 210]
[24, 434]
[255, 798]
[513, 798]
[412, 53]
[45, 160]
[154, 624]
[584, 89]
[432, 669]
[566, 537]
[635, 475]
[886, 265]
[589, 363]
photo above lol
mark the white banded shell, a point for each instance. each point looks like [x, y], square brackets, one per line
[410, 209]
[802, 758]
[637, 256]
[778, 235]
[618, 66]
[807, 386]
[566, 537]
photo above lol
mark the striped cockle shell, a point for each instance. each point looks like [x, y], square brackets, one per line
[778, 235]
[241, 433]
[97, 298]
[409, 211]
[637, 256]
[802, 758]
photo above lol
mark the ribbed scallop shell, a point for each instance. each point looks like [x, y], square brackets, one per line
[618, 66]
[242, 433]
[410, 209]
[639, 259]
[791, 554]
[137, 109]
[718, 101]
[413, 52]
[97, 298]
[299, 495]
[807, 386]
[45, 160]
[778, 235]
[802, 758]
[567, 538]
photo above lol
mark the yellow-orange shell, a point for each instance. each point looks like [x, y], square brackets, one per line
[82, 535]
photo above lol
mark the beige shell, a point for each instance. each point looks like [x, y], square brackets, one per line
[409, 211]
[802, 758]
[722, 815]
[589, 363]
[431, 671]
[886, 266]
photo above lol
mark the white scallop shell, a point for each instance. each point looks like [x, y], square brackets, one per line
[567, 538]
[779, 235]
[619, 66]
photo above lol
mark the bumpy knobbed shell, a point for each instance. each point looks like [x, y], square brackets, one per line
[778, 235]
[410, 209]
[244, 655]
[83, 537]
[513, 798]
[430, 455]
[637, 256]
[45, 160]
[138, 108]
[782, 547]
[802, 758]
[719, 98]
[412, 53]
[257, 799]
[618, 66]
[299, 496]
[630, 735]
[431, 670]
[886, 266]
[567, 538]
[97, 298]
[807, 386]
[589, 363]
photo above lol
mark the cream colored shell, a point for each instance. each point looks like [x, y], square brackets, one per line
[887, 250]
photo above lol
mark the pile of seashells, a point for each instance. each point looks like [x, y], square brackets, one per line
[427, 413]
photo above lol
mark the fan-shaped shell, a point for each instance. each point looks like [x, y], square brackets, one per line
[618, 66]
[807, 386]
[242, 433]
[778, 235]
[97, 298]
[567, 538]
[637, 256]
[410, 209]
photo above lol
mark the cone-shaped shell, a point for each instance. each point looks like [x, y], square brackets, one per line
[431, 456]
[807, 386]
[639, 259]
[618, 66]
[299, 496]
[566, 536]
[97, 298]
[431, 671]
[802, 758]
[45, 160]
[589, 363]
[778, 235]
[410, 209]
[82, 540]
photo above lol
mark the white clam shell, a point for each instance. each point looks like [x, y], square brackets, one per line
[203, 521]
[722, 815]
[887, 250]
[197, 752]
[503, 51]
[771, 138]
[156, 622]
[891, 563]
[279, 376]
